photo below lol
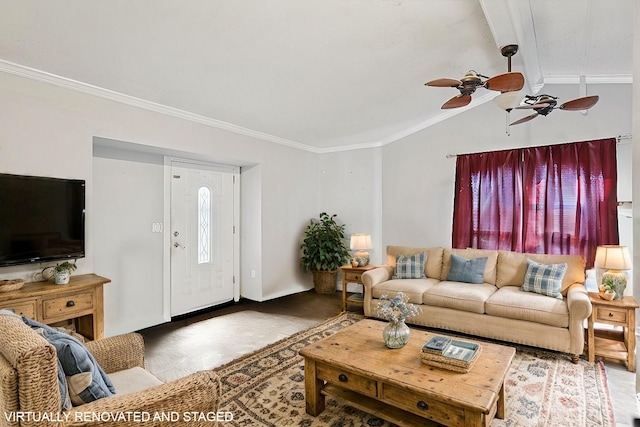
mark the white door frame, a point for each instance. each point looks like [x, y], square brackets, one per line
[166, 238]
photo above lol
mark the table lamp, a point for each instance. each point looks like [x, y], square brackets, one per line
[613, 258]
[360, 242]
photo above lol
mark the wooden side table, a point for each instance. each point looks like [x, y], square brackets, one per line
[608, 343]
[353, 275]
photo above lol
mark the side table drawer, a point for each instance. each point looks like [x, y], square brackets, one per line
[345, 379]
[26, 308]
[422, 405]
[607, 314]
[353, 277]
[66, 306]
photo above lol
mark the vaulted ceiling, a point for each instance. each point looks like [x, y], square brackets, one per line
[321, 75]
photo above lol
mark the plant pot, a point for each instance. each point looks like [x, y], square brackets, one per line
[61, 277]
[608, 295]
[325, 281]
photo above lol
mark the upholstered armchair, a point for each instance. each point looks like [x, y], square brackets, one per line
[30, 393]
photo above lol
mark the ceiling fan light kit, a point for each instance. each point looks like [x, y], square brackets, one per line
[508, 100]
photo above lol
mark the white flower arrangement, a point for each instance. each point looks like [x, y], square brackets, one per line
[397, 308]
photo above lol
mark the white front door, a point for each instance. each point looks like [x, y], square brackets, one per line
[202, 236]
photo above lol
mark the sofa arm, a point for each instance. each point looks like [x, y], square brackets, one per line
[579, 307]
[118, 353]
[578, 303]
[372, 278]
[187, 400]
[377, 275]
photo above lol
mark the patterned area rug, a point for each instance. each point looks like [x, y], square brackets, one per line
[266, 388]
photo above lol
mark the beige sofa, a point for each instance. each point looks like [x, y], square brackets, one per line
[497, 308]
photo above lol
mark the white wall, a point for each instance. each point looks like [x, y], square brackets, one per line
[51, 133]
[351, 187]
[418, 180]
[128, 197]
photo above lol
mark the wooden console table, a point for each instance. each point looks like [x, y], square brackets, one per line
[79, 303]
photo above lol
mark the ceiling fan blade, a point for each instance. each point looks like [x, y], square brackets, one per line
[444, 83]
[580, 103]
[457, 101]
[525, 119]
[508, 82]
[532, 106]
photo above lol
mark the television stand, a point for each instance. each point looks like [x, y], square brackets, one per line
[78, 305]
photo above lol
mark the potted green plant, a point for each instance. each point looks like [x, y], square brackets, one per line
[324, 250]
[608, 288]
[62, 272]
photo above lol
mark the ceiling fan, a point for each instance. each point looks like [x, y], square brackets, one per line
[468, 84]
[544, 104]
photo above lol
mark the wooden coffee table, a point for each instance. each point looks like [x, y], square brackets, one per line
[355, 365]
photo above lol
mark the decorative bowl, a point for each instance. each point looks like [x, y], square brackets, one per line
[11, 285]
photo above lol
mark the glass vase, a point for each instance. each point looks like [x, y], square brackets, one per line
[396, 334]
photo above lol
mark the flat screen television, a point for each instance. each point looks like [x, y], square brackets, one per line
[41, 219]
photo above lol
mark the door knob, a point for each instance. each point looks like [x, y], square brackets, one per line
[178, 245]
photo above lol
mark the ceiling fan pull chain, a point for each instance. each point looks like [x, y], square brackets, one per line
[508, 128]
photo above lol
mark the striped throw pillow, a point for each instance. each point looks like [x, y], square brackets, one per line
[410, 267]
[544, 279]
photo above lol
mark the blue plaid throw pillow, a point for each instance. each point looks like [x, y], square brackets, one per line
[544, 279]
[410, 267]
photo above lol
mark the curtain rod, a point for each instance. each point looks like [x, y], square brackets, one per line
[619, 138]
[625, 136]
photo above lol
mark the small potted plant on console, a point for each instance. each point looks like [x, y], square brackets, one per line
[608, 291]
[62, 272]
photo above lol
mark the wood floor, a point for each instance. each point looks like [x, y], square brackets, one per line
[211, 339]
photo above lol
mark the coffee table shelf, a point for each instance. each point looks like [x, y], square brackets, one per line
[379, 409]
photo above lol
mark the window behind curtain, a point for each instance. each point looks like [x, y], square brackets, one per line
[558, 199]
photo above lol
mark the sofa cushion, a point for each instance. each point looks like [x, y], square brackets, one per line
[466, 270]
[544, 279]
[489, 275]
[459, 296]
[512, 267]
[133, 380]
[411, 267]
[433, 266]
[413, 288]
[86, 380]
[512, 303]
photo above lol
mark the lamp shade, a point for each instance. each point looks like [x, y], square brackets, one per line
[360, 241]
[613, 257]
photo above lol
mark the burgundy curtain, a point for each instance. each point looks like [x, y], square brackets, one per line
[558, 199]
[485, 184]
[570, 198]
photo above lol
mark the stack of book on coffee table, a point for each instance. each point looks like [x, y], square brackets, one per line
[447, 353]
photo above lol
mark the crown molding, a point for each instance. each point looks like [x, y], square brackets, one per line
[64, 82]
